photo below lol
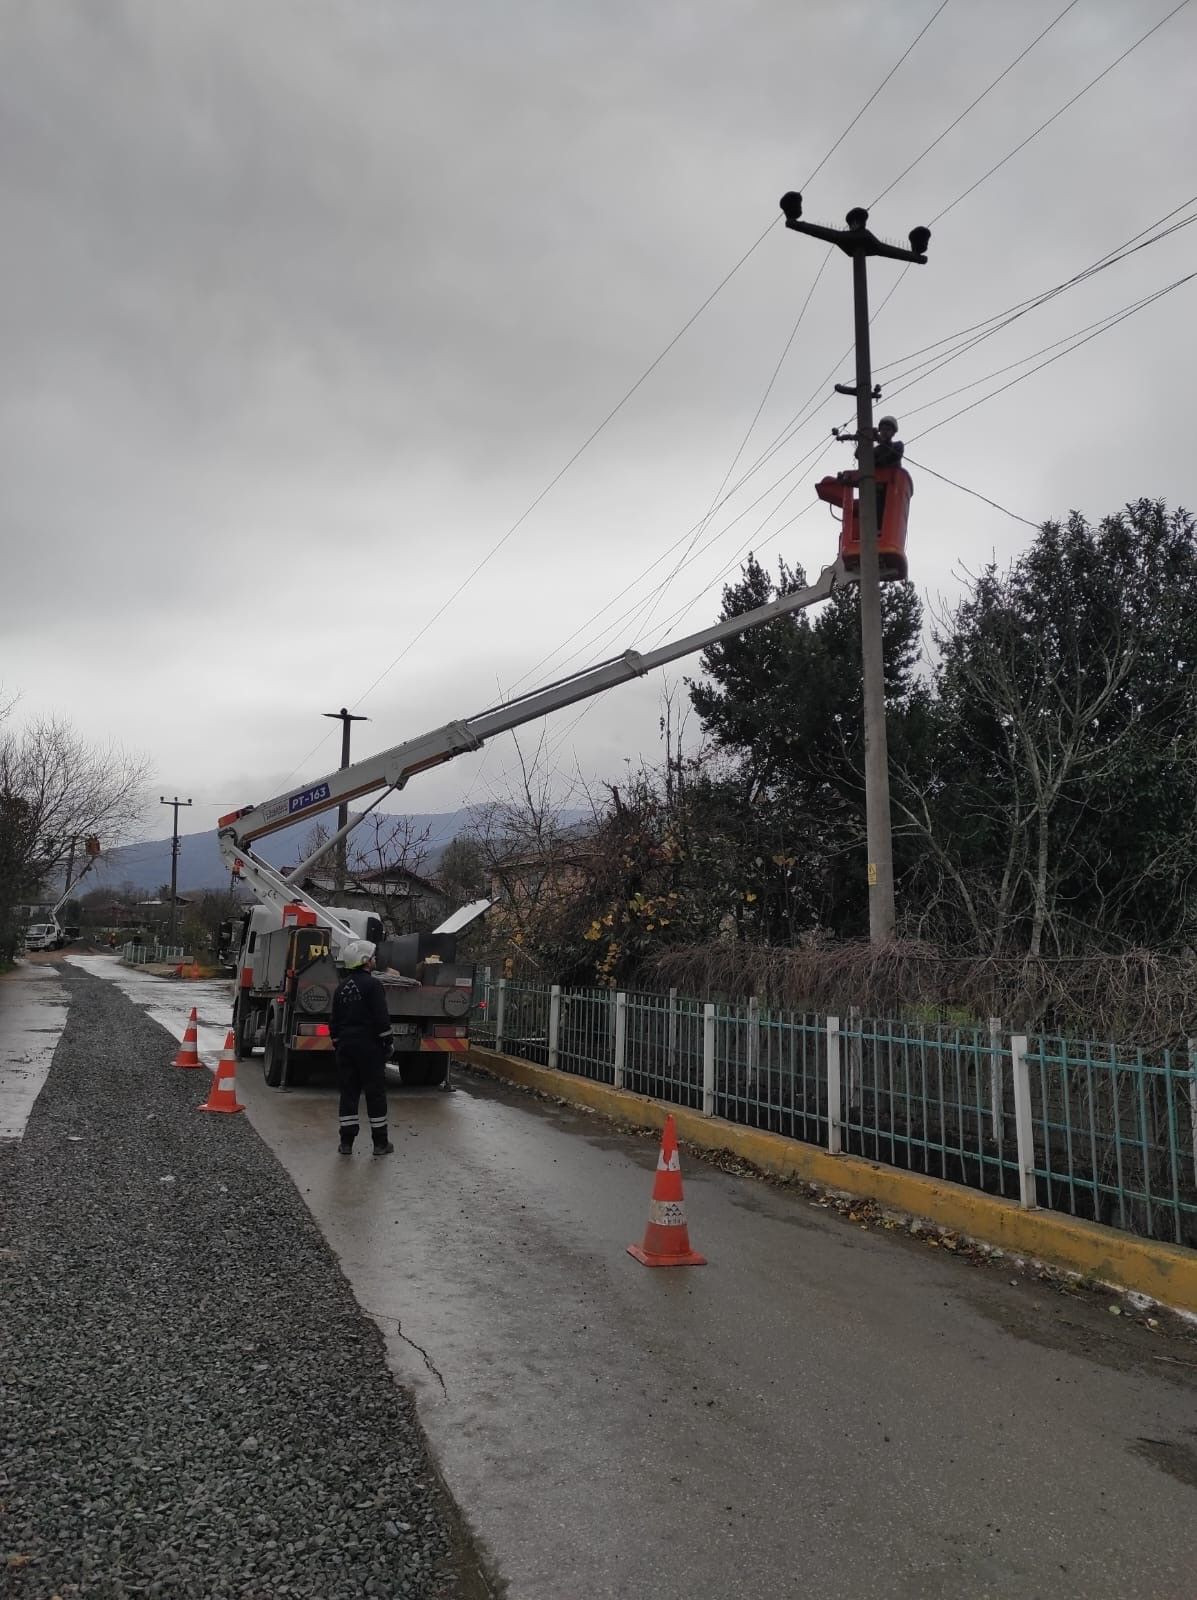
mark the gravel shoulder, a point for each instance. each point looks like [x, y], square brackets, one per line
[191, 1402]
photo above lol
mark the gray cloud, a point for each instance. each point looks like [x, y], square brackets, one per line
[303, 304]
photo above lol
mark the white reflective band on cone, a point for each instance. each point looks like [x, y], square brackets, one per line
[667, 1213]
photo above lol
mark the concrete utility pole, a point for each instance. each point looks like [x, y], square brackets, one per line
[174, 860]
[856, 241]
[345, 718]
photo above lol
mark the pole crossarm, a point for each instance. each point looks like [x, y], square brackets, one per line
[856, 239]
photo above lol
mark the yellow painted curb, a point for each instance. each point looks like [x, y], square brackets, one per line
[1165, 1272]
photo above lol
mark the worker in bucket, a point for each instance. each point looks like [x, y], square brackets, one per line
[361, 1032]
[888, 451]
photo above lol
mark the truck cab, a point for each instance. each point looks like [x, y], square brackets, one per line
[44, 936]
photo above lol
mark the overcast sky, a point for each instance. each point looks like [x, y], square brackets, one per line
[305, 302]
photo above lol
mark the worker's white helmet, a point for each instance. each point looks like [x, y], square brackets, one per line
[893, 422]
[356, 952]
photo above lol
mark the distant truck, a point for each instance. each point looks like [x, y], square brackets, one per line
[286, 973]
[45, 936]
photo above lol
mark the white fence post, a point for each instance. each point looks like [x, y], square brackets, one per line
[554, 1022]
[708, 1059]
[834, 1127]
[621, 1036]
[671, 1036]
[995, 1078]
[500, 1014]
[754, 1039]
[1024, 1131]
[855, 1026]
[1193, 1100]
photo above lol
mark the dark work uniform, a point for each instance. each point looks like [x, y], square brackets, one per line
[885, 455]
[361, 1031]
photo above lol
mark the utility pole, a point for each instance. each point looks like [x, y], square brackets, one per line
[858, 242]
[174, 860]
[346, 719]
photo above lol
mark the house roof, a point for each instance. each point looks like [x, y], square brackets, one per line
[382, 877]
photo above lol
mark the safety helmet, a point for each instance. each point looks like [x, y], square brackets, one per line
[893, 422]
[356, 952]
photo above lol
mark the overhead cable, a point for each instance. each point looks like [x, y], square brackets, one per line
[1142, 39]
[926, 151]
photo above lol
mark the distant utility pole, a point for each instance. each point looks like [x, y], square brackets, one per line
[346, 719]
[856, 241]
[174, 860]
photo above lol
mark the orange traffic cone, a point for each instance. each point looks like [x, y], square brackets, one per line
[187, 1055]
[666, 1238]
[224, 1086]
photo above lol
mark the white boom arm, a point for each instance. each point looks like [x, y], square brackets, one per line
[392, 768]
[69, 892]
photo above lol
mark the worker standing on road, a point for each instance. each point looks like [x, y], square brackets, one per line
[361, 1032]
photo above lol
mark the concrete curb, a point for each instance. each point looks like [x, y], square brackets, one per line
[1167, 1273]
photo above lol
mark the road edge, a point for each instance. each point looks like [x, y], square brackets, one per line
[1163, 1272]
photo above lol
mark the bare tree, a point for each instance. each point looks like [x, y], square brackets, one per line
[57, 789]
[384, 850]
[527, 850]
[1040, 727]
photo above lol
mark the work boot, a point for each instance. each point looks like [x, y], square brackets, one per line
[383, 1147]
[345, 1148]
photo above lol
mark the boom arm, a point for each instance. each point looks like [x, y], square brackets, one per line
[392, 768]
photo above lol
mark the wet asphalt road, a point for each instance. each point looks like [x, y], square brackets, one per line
[822, 1411]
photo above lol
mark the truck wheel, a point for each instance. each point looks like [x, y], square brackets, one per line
[243, 1030]
[436, 1070]
[273, 1057]
[411, 1068]
[422, 1069]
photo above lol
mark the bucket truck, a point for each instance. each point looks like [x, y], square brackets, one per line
[286, 968]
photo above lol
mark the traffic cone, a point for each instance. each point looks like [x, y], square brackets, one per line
[188, 1056]
[224, 1086]
[666, 1238]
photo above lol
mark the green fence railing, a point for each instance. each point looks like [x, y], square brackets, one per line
[1098, 1131]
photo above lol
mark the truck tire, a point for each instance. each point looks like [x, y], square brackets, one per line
[436, 1070]
[422, 1069]
[273, 1056]
[243, 1030]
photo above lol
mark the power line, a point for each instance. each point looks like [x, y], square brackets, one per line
[717, 498]
[1110, 258]
[923, 467]
[1111, 322]
[552, 483]
[868, 101]
[970, 341]
[1047, 124]
[792, 428]
[516, 525]
[975, 103]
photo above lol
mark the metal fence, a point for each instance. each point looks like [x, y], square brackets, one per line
[1101, 1132]
[146, 955]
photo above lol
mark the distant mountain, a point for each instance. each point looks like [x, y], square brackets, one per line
[146, 865]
